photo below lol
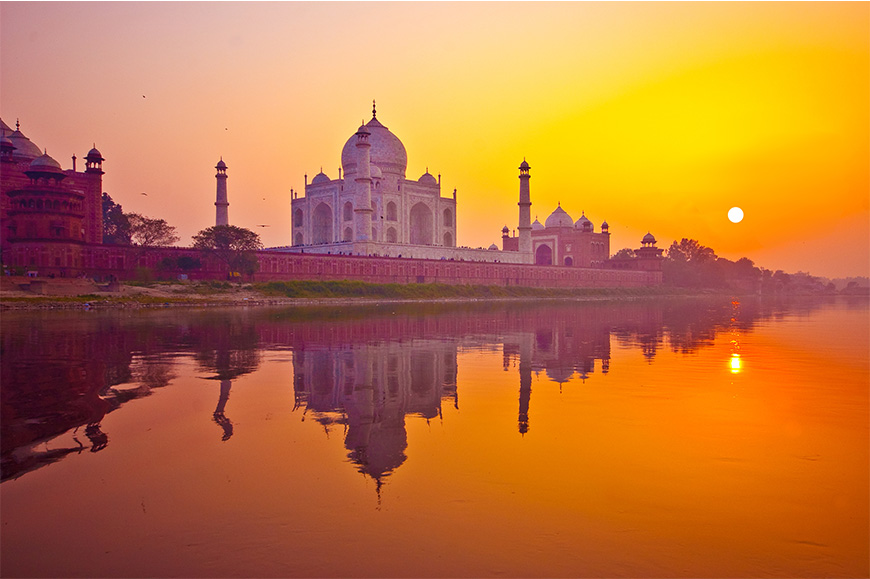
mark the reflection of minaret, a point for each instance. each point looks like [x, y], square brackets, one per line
[219, 417]
[525, 382]
[222, 216]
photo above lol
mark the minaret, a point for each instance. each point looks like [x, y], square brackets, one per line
[222, 216]
[525, 225]
[363, 198]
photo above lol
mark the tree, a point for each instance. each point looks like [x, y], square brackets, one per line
[690, 251]
[116, 225]
[148, 232]
[235, 246]
[624, 252]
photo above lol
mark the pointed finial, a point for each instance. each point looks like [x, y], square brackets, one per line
[374, 111]
[17, 124]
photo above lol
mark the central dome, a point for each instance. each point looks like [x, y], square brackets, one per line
[559, 218]
[387, 151]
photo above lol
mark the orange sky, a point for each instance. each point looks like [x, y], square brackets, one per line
[653, 116]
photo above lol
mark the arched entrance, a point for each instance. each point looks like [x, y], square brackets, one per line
[569, 261]
[448, 240]
[421, 225]
[321, 227]
[544, 255]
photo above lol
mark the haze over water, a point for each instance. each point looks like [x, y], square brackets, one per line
[688, 438]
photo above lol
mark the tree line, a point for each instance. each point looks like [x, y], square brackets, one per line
[234, 246]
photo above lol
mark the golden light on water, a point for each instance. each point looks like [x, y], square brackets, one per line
[736, 364]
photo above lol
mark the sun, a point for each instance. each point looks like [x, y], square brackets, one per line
[735, 215]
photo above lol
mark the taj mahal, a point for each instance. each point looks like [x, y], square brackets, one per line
[372, 208]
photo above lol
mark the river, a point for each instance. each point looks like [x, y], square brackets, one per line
[650, 438]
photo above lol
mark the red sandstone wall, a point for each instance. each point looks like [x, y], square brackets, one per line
[72, 260]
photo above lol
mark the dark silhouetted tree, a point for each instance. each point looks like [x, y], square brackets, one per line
[235, 246]
[116, 225]
[624, 252]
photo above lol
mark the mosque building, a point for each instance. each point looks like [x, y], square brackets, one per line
[49, 211]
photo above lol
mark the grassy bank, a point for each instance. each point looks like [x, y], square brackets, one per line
[422, 291]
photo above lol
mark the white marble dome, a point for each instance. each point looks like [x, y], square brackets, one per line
[320, 178]
[387, 151]
[536, 225]
[427, 179]
[559, 218]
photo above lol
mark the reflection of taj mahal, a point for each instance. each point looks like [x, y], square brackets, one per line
[373, 209]
[370, 388]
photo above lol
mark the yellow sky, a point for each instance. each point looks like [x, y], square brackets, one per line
[653, 116]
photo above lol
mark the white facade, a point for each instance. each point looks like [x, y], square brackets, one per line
[403, 211]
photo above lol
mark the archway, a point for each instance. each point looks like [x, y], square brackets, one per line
[348, 211]
[348, 234]
[544, 255]
[391, 211]
[298, 239]
[391, 235]
[448, 239]
[569, 261]
[421, 225]
[321, 230]
[448, 218]
[297, 218]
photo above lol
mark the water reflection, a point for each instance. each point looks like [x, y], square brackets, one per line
[361, 370]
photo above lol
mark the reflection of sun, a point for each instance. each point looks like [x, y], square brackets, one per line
[736, 364]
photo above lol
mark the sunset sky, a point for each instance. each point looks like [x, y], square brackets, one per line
[653, 116]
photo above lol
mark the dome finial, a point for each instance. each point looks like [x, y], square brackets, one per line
[374, 111]
[17, 125]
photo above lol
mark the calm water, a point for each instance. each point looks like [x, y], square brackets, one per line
[680, 438]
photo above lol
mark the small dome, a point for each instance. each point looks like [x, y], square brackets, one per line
[427, 179]
[493, 247]
[220, 165]
[6, 144]
[45, 164]
[376, 172]
[505, 229]
[320, 178]
[536, 226]
[648, 238]
[604, 225]
[583, 224]
[559, 218]
[24, 147]
[94, 155]
[524, 166]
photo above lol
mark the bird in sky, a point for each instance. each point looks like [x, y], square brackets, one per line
[145, 194]
[262, 226]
